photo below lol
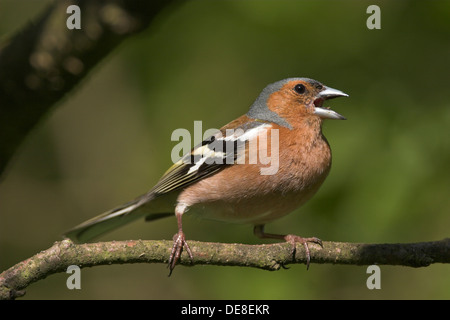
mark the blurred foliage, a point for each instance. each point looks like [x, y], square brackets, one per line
[109, 141]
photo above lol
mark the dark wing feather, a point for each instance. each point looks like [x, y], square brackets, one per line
[209, 157]
[181, 174]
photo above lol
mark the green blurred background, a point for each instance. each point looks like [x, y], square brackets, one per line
[109, 141]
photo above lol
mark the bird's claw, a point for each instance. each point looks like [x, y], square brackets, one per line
[293, 239]
[179, 241]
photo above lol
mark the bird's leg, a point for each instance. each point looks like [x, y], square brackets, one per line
[291, 238]
[179, 240]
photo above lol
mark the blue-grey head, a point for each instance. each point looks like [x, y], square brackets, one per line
[294, 96]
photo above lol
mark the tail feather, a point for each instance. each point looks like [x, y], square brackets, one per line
[113, 219]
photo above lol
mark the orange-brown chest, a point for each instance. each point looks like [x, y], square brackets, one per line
[240, 193]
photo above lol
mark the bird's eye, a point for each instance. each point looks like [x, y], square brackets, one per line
[299, 88]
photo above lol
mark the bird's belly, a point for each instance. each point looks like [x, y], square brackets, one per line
[241, 194]
[258, 210]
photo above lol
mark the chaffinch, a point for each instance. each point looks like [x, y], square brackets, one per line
[228, 178]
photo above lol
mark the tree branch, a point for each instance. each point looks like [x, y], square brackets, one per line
[267, 256]
[46, 60]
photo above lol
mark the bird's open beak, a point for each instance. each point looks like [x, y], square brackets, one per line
[325, 112]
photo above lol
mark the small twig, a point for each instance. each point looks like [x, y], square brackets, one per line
[269, 257]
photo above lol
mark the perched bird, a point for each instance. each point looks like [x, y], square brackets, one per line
[225, 178]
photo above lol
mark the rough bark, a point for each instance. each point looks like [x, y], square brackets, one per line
[268, 256]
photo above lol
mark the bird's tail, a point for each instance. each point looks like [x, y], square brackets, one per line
[114, 218]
